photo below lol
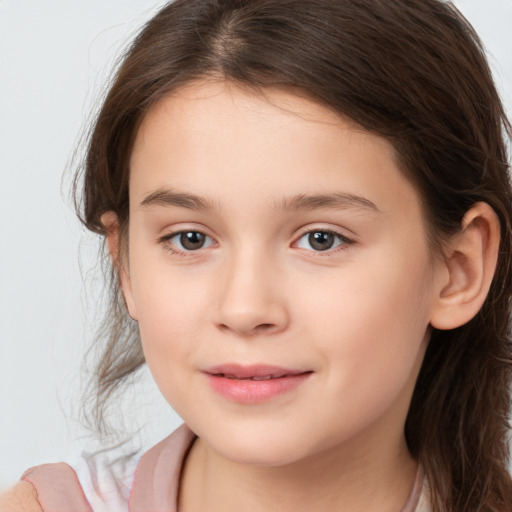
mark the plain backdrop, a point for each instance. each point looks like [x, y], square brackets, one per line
[55, 56]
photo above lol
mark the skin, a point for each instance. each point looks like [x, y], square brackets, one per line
[21, 498]
[357, 316]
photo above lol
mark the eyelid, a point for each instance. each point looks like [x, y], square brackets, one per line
[165, 241]
[346, 241]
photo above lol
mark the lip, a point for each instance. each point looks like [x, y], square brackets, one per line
[254, 383]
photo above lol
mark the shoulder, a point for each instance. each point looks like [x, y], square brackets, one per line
[105, 481]
[57, 487]
[21, 498]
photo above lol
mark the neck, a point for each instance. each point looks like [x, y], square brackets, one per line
[351, 480]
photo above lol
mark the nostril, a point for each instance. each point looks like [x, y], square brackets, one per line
[264, 327]
[260, 328]
[250, 319]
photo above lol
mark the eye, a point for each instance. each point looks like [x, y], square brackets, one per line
[186, 241]
[321, 240]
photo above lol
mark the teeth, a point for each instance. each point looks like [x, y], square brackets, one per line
[255, 377]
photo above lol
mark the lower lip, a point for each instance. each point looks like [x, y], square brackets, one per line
[249, 391]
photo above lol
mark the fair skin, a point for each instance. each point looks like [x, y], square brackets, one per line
[356, 316]
[306, 250]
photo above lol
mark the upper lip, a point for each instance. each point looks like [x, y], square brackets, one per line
[239, 371]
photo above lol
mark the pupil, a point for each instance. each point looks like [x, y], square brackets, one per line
[321, 241]
[192, 240]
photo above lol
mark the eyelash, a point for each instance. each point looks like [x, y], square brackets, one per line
[344, 242]
[165, 241]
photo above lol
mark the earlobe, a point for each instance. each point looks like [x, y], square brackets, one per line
[119, 260]
[468, 269]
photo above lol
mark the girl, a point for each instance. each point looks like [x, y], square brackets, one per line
[308, 212]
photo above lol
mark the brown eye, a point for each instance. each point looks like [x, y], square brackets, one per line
[186, 241]
[192, 240]
[321, 240]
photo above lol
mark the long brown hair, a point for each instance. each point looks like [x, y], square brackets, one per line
[412, 71]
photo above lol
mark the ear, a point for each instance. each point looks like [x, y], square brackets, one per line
[119, 259]
[468, 269]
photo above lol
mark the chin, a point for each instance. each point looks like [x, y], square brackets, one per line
[270, 455]
[257, 447]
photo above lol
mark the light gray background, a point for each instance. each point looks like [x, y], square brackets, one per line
[54, 58]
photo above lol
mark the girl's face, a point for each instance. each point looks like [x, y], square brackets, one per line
[279, 270]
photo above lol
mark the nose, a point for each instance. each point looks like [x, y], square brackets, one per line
[251, 298]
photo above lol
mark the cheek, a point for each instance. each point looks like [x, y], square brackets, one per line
[168, 313]
[169, 327]
[371, 325]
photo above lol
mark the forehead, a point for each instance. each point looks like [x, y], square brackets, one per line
[205, 112]
[228, 143]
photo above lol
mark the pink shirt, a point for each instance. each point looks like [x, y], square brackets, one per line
[152, 487]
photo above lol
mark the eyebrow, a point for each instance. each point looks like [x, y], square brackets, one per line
[337, 200]
[168, 197]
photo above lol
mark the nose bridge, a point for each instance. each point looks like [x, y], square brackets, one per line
[251, 300]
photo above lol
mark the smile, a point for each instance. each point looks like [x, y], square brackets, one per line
[254, 384]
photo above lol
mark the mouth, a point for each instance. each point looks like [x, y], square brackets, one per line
[253, 377]
[253, 372]
[255, 383]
